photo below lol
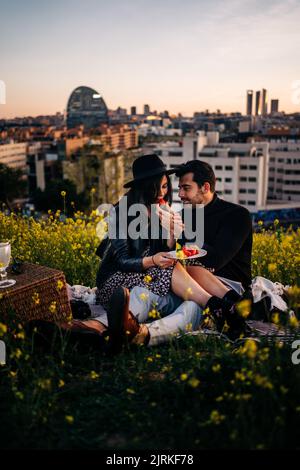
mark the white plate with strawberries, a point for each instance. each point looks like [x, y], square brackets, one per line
[187, 252]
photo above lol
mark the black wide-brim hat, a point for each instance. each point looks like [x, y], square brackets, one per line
[147, 166]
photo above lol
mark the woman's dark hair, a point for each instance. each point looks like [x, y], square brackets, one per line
[147, 190]
[202, 171]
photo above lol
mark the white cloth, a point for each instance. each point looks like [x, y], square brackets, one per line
[262, 287]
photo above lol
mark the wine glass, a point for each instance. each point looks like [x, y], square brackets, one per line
[5, 252]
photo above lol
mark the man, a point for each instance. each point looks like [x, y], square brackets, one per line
[227, 227]
[227, 240]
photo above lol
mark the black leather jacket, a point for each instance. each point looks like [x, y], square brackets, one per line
[125, 254]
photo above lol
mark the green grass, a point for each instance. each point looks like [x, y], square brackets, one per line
[194, 393]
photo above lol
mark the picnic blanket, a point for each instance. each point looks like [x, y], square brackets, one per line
[261, 288]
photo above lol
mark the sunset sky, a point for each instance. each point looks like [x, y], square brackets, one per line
[183, 56]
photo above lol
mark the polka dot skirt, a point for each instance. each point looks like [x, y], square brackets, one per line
[155, 279]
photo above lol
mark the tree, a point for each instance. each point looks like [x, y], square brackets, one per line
[53, 199]
[12, 185]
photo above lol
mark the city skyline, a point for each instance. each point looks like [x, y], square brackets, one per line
[183, 58]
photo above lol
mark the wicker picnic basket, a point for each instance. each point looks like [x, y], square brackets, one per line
[40, 293]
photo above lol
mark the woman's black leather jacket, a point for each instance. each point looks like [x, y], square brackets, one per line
[125, 254]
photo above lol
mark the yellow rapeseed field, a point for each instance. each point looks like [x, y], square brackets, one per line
[70, 245]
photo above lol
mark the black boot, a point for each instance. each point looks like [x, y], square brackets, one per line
[237, 324]
[217, 310]
[232, 297]
[224, 310]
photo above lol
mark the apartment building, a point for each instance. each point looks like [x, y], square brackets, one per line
[118, 137]
[14, 155]
[284, 179]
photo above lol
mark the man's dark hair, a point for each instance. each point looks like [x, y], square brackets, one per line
[202, 171]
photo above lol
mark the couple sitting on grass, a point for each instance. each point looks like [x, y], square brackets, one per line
[138, 276]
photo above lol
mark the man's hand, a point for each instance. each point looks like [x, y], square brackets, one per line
[171, 221]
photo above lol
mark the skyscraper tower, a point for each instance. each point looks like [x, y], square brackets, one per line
[257, 104]
[264, 102]
[249, 102]
[274, 106]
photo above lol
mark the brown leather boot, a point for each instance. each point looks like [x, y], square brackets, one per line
[122, 325]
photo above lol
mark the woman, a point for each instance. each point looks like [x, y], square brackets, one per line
[144, 262]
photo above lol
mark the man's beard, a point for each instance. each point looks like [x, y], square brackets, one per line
[198, 199]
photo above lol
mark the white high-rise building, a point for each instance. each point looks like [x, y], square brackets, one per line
[241, 169]
[284, 180]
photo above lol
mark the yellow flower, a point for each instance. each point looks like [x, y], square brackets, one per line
[263, 382]
[20, 335]
[19, 395]
[61, 383]
[52, 307]
[60, 284]
[94, 375]
[240, 376]
[130, 391]
[147, 279]
[17, 353]
[3, 329]
[154, 313]
[183, 377]
[44, 384]
[293, 322]
[63, 193]
[244, 308]
[36, 298]
[275, 318]
[193, 382]
[69, 419]
[144, 296]
[216, 417]
[272, 267]
[216, 368]
[250, 348]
